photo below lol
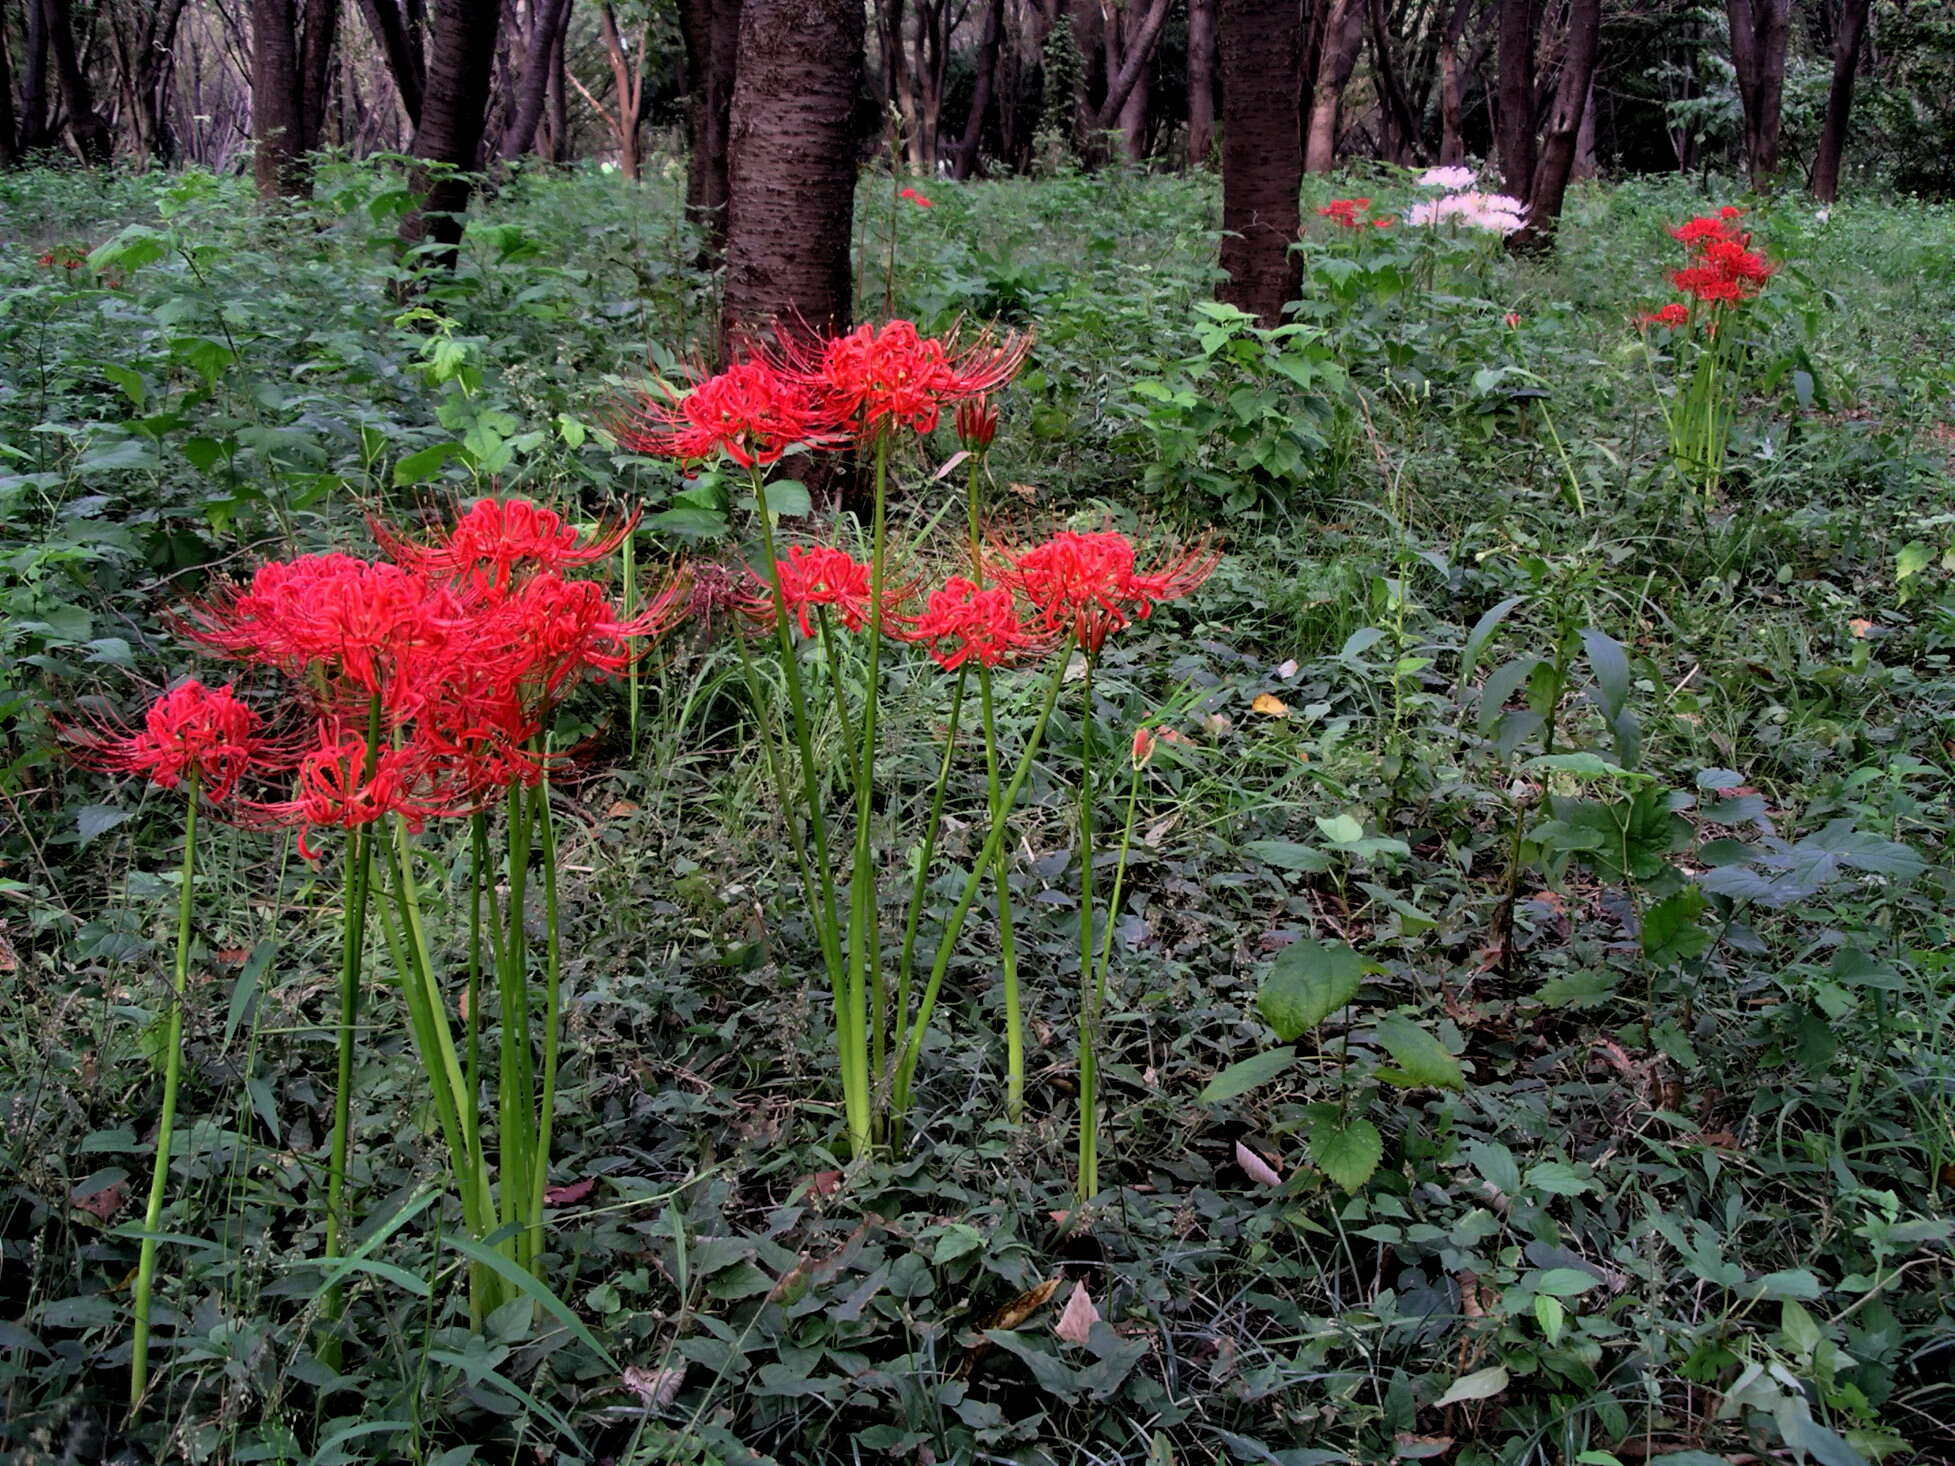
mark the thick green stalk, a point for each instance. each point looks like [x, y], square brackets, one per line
[159, 1176]
[515, 1080]
[630, 548]
[864, 954]
[905, 963]
[552, 1021]
[855, 1100]
[913, 1049]
[478, 866]
[1088, 1060]
[1093, 1007]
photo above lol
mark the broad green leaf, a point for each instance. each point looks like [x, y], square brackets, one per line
[1671, 935]
[1308, 981]
[1347, 1150]
[1562, 1282]
[419, 467]
[1246, 1074]
[1287, 855]
[1341, 829]
[1610, 664]
[1420, 1057]
[1480, 1385]
[1483, 629]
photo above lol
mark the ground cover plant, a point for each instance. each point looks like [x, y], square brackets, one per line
[1367, 889]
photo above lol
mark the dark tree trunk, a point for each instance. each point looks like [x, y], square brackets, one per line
[1847, 40]
[712, 36]
[1130, 42]
[990, 42]
[1758, 34]
[1396, 108]
[556, 115]
[316, 70]
[1337, 55]
[1201, 81]
[1516, 116]
[792, 167]
[9, 138]
[1452, 148]
[1262, 155]
[1559, 147]
[461, 62]
[88, 128]
[400, 43]
[277, 100]
[547, 20]
[35, 135]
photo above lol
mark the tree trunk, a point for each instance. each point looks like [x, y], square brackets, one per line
[1201, 81]
[1131, 39]
[87, 127]
[1452, 147]
[547, 21]
[990, 42]
[35, 135]
[1558, 148]
[1515, 140]
[1758, 34]
[1394, 106]
[712, 37]
[400, 45]
[316, 70]
[628, 83]
[461, 61]
[900, 84]
[1847, 40]
[792, 167]
[276, 100]
[557, 113]
[1262, 155]
[1343, 35]
[9, 138]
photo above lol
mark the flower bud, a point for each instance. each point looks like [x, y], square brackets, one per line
[1143, 745]
[977, 423]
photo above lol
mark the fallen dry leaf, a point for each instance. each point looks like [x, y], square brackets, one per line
[1023, 1306]
[1861, 626]
[105, 1203]
[1077, 1318]
[824, 1183]
[1288, 669]
[1270, 705]
[655, 1388]
[569, 1195]
[620, 809]
[1260, 1171]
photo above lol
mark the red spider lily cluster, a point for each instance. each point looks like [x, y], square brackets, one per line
[916, 198]
[63, 257]
[1091, 584]
[1350, 214]
[454, 653]
[1724, 270]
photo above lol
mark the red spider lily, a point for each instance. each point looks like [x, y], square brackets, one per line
[337, 789]
[1143, 750]
[552, 633]
[1702, 229]
[874, 377]
[1675, 316]
[498, 537]
[977, 423]
[753, 412]
[916, 198]
[820, 575]
[1725, 270]
[191, 731]
[1344, 212]
[965, 622]
[1090, 584]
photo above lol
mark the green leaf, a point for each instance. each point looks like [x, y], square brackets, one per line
[1557, 1178]
[1562, 1282]
[1246, 1074]
[1347, 1151]
[1610, 664]
[419, 467]
[526, 1283]
[787, 499]
[1483, 629]
[1420, 1057]
[958, 1240]
[97, 819]
[1050, 1373]
[1341, 829]
[1496, 1165]
[1915, 557]
[1579, 766]
[1288, 855]
[1480, 1385]
[1308, 981]
[1671, 936]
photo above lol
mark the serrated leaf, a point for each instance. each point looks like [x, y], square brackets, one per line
[1308, 981]
[1347, 1151]
[1246, 1074]
[1420, 1057]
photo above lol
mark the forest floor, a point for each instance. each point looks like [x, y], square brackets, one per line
[1634, 796]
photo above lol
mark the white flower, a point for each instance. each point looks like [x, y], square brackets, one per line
[1447, 178]
[1822, 215]
[1495, 212]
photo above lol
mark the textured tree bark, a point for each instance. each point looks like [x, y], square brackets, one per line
[1847, 41]
[34, 132]
[88, 128]
[712, 36]
[1201, 81]
[1262, 155]
[1343, 36]
[1515, 136]
[1131, 39]
[277, 101]
[1559, 147]
[990, 43]
[316, 70]
[1758, 34]
[1452, 148]
[792, 168]
[9, 137]
[400, 44]
[461, 61]
[547, 22]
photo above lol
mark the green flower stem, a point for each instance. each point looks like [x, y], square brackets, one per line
[913, 1049]
[159, 1176]
[1089, 1077]
[905, 965]
[353, 933]
[855, 1100]
[630, 605]
[777, 781]
[1007, 939]
[515, 1080]
[1094, 1007]
[864, 956]
[478, 865]
[552, 1023]
[832, 659]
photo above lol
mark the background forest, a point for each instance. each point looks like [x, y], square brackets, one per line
[969, 731]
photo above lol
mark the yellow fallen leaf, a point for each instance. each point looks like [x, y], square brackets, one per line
[1270, 705]
[1861, 626]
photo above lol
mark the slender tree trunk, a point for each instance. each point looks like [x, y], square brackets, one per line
[9, 137]
[1515, 139]
[1394, 106]
[711, 30]
[1130, 41]
[557, 114]
[990, 42]
[1759, 29]
[1343, 36]
[35, 136]
[1262, 155]
[628, 81]
[1847, 40]
[316, 70]
[1133, 121]
[276, 100]
[901, 85]
[461, 62]
[88, 128]
[1201, 81]
[399, 43]
[547, 21]
[1452, 147]
[792, 172]
[1559, 146]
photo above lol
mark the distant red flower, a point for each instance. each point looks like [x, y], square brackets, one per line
[497, 538]
[1705, 227]
[753, 412]
[1512, 320]
[1090, 584]
[1143, 750]
[1344, 212]
[1675, 316]
[190, 732]
[964, 622]
[878, 376]
[916, 198]
[1729, 211]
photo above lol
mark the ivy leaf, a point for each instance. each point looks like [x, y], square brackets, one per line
[1308, 982]
[1420, 1057]
[1347, 1150]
